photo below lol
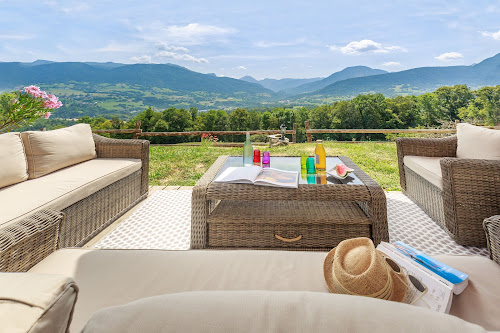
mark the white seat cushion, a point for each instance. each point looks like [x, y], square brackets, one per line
[36, 302]
[271, 311]
[427, 167]
[62, 188]
[477, 142]
[116, 277]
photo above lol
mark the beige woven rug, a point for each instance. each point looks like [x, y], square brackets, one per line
[164, 222]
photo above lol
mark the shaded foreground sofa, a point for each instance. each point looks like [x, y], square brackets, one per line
[455, 180]
[70, 176]
[222, 291]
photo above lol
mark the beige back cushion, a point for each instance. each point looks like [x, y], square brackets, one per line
[271, 311]
[13, 167]
[53, 150]
[477, 142]
[33, 302]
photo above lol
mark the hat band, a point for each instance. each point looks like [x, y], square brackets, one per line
[384, 293]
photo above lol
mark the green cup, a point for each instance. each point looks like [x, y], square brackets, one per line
[303, 160]
[311, 169]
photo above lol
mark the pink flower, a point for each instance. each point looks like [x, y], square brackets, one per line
[35, 91]
[52, 102]
[47, 115]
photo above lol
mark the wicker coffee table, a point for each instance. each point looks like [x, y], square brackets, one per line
[317, 215]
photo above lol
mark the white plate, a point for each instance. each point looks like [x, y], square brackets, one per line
[334, 174]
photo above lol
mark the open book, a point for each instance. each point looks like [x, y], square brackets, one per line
[439, 293]
[258, 176]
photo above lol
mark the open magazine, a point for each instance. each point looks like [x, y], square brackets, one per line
[258, 176]
[439, 293]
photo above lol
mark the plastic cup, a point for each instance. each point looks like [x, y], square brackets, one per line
[303, 160]
[266, 159]
[310, 166]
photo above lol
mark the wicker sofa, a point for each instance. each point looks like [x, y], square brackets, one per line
[457, 193]
[76, 202]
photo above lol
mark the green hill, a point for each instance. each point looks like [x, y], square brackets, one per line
[346, 73]
[13, 74]
[414, 81]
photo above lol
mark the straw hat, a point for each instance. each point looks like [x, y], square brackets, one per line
[355, 267]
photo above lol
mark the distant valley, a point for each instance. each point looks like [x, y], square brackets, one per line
[118, 89]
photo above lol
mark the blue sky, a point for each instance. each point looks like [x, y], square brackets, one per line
[273, 39]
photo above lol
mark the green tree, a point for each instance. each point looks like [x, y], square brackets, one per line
[239, 120]
[254, 120]
[429, 110]
[178, 120]
[451, 99]
[268, 121]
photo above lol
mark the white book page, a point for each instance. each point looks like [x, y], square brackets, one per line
[438, 297]
[245, 174]
[275, 177]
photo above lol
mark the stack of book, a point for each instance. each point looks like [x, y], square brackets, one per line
[441, 280]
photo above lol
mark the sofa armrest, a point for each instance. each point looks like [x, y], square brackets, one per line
[27, 242]
[125, 148]
[471, 192]
[431, 147]
[492, 228]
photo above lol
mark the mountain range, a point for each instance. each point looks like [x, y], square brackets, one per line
[128, 88]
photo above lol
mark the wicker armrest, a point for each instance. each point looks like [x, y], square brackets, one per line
[492, 228]
[480, 179]
[432, 147]
[125, 148]
[471, 192]
[27, 242]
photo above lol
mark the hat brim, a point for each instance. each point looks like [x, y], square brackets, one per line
[399, 287]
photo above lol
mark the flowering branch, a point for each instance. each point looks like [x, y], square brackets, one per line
[29, 104]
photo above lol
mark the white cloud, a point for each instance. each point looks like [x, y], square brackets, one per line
[391, 64]
[16, 37]
[242, 68]
[145, 59]
[448, 56]
[180, 56]
[494, 35]
[191, 34]
[365, 45]
[162, 46]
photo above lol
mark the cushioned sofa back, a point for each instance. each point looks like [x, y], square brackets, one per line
[13, 167]
[271, 311]
[53, 150]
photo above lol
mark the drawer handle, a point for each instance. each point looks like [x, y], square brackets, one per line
[288, 240]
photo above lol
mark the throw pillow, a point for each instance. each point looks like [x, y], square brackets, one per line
[13, 166]
[477, 142]
[49, 151]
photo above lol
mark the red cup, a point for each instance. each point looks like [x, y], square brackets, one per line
[256, 157]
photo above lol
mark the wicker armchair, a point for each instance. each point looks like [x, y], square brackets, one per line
[466, 198]
[492, 228]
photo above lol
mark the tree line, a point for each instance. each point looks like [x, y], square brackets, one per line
[446, 104]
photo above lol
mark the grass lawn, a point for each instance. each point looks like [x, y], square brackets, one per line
[184, 165]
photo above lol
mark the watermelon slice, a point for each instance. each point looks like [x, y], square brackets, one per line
[342, 170]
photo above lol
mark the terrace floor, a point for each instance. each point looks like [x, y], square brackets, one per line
[162, 221]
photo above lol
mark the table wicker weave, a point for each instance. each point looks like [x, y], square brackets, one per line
[311, 217]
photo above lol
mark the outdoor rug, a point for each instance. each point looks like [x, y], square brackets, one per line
[164, 222]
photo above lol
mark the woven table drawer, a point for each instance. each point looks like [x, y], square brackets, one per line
[298, 236]
[285, 224]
